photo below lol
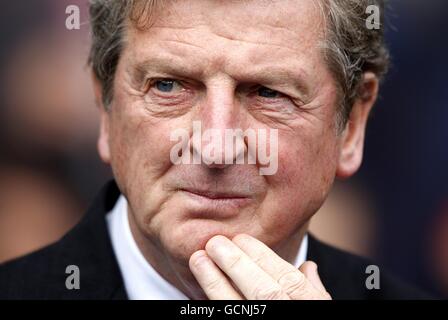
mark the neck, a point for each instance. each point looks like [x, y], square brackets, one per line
[178, 273]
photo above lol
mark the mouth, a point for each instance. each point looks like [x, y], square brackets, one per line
[216, 195]
[215, 204]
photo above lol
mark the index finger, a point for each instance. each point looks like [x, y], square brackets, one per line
[292, 280]
[250, 279]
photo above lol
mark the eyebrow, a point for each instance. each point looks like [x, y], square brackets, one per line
[277, 75]
[261, 74]
[164, 66]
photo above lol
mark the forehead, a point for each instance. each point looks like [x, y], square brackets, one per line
[223, 15]
[217, 32]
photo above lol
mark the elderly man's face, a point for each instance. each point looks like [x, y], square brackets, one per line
[230, 65]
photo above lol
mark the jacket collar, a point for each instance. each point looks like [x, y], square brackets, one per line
[88, 246]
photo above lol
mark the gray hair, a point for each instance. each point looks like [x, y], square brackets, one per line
[350, 48]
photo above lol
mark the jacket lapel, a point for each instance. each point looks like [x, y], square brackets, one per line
[88, 246]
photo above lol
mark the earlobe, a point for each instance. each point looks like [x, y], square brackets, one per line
[103, 139]
[351, 151]
[352, 141]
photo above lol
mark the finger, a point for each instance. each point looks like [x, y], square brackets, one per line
[309, 269]
[211, 279]
[251, 280]
[292, 280]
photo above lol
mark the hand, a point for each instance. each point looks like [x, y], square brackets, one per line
[256, 272]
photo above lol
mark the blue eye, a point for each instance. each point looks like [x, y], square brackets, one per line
[165, 85]
[267, 93]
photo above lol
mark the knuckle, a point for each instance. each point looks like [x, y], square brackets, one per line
[214, 285]
[234, 261]
[261, 258]
[292, 282]
[268, 293]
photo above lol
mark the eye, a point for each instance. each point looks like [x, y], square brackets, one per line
[268, 93]
[167, 85]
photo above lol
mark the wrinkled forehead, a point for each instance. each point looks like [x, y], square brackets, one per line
[230, 35]
[278, 21]
[283, 13]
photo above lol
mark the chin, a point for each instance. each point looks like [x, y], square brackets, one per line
[183, 240]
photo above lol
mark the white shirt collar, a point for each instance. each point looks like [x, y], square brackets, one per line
[141, 280]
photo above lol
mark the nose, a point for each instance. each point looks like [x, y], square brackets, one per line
[215, 138]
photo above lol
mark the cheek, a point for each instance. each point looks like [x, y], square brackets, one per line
[307, 162]
[305, 174]
[140, 154]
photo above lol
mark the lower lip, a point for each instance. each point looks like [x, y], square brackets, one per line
[206, 207]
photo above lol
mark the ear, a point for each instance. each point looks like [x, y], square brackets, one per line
[103, 138]
[352, 143]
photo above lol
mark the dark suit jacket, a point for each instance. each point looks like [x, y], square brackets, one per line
[41, 275]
